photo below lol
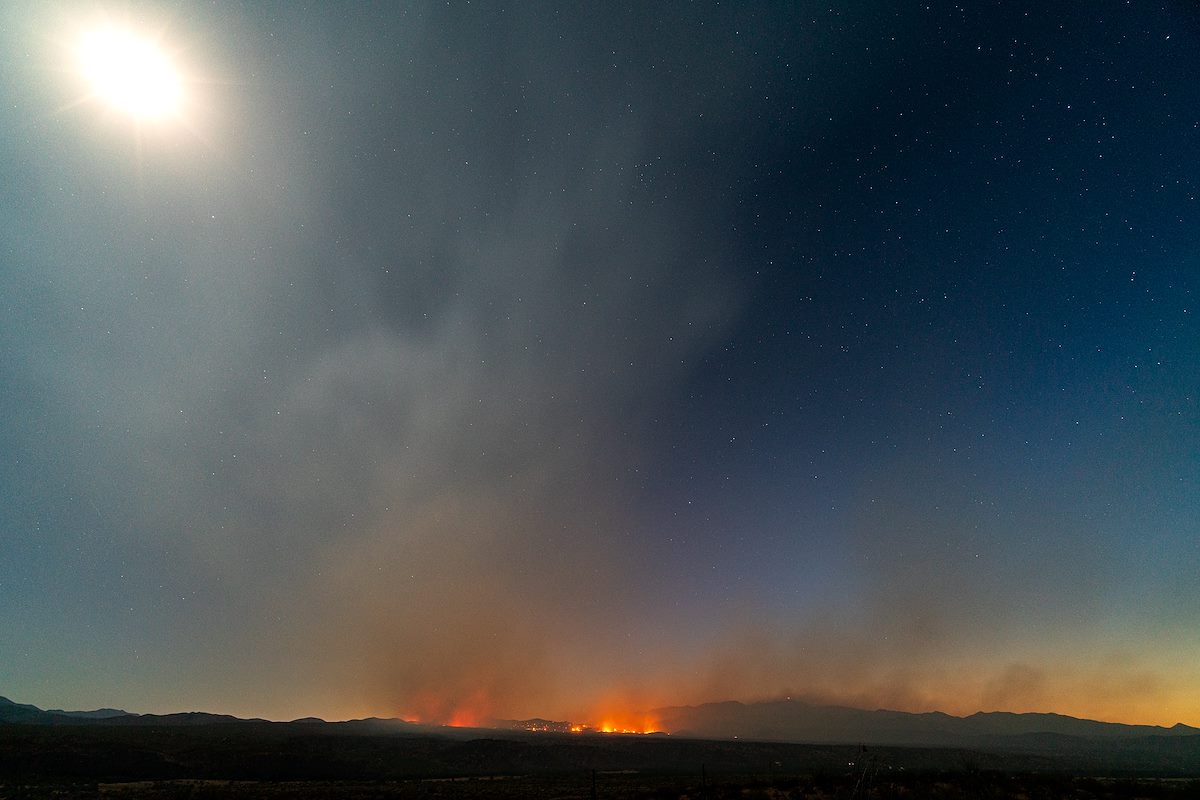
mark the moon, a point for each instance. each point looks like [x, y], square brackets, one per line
[130, 73]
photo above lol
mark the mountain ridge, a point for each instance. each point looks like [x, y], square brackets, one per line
[799, 721]
[772, 721]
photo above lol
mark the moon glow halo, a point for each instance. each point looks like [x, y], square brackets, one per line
[131, 74]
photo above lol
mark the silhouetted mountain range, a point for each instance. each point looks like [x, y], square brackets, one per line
[778, 721]
[796, 721]
[32, 715]
[114, 744]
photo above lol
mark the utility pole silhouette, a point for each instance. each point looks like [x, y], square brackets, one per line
[870, 765]
[594, 796]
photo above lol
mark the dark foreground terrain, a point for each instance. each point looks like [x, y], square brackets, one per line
[636, 786]
[248, 759]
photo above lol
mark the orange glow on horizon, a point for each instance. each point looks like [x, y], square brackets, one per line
[474, 711]
[627, 723]
[464, 718]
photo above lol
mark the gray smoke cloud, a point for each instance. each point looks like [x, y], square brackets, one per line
[366, 371]
[343, 400]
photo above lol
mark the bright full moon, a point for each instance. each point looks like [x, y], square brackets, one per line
[131, 73]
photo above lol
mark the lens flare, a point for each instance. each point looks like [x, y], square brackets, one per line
[131, 73]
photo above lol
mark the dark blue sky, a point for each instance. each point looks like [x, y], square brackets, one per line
[459, 360]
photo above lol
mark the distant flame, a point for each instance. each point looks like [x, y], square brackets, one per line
[476, 709]
[465, 718]
[472, 711]
[628, 723]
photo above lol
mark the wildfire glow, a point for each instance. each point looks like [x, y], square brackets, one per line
[625, 723]
[477, 708]
[465, 718]
[469, 708]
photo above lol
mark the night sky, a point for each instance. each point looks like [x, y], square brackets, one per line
[464, 360]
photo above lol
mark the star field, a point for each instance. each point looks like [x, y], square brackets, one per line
[457, 361]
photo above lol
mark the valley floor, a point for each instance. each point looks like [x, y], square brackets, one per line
[626, 786]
